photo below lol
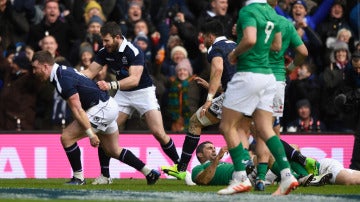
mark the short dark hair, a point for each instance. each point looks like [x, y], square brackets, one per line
[213, 26]
[43, 57]
[355, 55]
[111, 28]
[201, 147]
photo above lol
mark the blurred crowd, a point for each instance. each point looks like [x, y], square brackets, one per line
[168, 33]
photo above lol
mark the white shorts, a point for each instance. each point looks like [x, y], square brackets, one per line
[248, 91]
[103, 116]
[279, 99]
[333, 166]
[142, 100]
[215, 108]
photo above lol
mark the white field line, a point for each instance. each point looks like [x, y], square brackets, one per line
[110, 195]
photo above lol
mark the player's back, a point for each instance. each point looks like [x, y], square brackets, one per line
[68, 81]
[263, 17]
[290, 38]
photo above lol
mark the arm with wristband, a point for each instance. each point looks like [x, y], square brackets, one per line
[114, 85]
[214, 83]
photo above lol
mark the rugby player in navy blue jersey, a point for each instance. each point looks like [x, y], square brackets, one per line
[135, 89]
[210, 113]
[94, 112]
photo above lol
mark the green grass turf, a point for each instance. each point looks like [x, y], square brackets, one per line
[164, 185]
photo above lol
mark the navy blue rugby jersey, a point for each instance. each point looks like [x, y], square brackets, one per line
[119, 63]
[221, 48]
[68, 81]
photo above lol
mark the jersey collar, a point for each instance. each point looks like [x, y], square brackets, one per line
[123, 44]
[220, 38]
[255, 1]
[53, 71]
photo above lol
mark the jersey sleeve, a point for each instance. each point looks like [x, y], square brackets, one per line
[214, 52]
[248, 19]
[294, 36]
[196, 171]
[100, 57]
[135, 55]
[65, 86]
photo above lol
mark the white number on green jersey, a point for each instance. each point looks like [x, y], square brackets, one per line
[268, 29]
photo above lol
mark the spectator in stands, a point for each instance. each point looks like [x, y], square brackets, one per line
[344, 36]
[65, 31]
[183, 96]
[189, 35]
[284, 8]
[217, 9]
[177, 54]
[354, 20]
[306, 25]
[93, 35]
[29, 52]
[14, 25]
[142, 41]
[28, 9]
[307, 86]
[164, 52]
[141, 28]
[332, 80]
[86, 55]
[299, 13]
[348, 102]
[305, 121]
[328, 29]
[18, 96]
[163, 60]
[93, 8]
[134, 14]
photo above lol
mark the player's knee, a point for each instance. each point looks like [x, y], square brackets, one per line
[66, 141]
[194, 124]
[160, 136]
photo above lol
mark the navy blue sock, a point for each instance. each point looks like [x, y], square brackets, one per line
[170, 151]
[126, 156]
[73, 153]
[104, 162]
[293, 154]
[190, 143]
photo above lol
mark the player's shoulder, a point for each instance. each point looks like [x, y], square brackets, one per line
[283, 20]
[130, 48]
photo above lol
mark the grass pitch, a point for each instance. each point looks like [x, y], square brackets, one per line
[163, 190]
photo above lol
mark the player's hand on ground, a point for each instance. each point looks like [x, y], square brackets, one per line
[103, 85]
[94, 141]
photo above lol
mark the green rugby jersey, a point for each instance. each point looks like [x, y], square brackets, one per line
[290, 38]
[223, 173]
[264, 18]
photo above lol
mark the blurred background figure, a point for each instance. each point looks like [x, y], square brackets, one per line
[183, 96]
[305, 86]
[86, 55]
[305, 121]
[332, 80]
[19, 94]
[60, 25]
